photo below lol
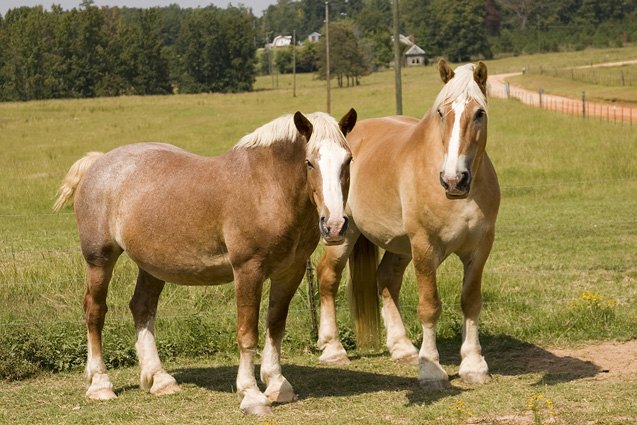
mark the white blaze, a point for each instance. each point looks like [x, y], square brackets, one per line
[331, 160]
[453, 153]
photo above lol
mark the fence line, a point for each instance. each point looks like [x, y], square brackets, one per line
[589, 110]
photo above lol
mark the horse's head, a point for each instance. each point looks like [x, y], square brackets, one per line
[327, 163]
[461, 108]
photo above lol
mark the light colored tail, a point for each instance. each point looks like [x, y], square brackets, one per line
[73, 178]
[363, 293]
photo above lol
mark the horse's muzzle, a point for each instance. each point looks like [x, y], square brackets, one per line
[458, 186]
[333, 229]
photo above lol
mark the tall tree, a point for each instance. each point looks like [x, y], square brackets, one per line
[217, 51]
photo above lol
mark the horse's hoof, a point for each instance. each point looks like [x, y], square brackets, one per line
[434, 385]
[258, 410]
[101, 394]
[335, 359]
[282, 397]
[411, 358]
[166, 390]
[476, 378]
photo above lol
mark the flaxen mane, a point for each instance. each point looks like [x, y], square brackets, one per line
[461, 87]
[324, 126]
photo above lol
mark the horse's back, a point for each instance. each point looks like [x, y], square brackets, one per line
[162, 205]
[381, 133]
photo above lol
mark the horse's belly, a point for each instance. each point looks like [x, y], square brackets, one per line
[214, 270]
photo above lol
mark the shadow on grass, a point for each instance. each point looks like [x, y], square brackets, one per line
[512, 357]
[320, 381]
[506, 356]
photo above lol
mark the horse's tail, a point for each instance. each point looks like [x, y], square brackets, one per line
[73, 178]
[363, 293]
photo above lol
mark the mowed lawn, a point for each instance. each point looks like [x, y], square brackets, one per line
[562, 272]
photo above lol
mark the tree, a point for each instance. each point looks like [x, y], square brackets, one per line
[346, 55]
[375, 23]
[217, 51]
[461, 34]
[146, 66]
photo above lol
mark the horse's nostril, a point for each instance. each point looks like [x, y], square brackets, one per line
[443, 182]
[344, 227]
[323, 219]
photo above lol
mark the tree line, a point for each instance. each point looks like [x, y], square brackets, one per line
[91, 51]
[464, 30]
[108, 51]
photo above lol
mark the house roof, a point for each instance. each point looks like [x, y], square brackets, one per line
[282, 41]
[314, 34]
[414, 51]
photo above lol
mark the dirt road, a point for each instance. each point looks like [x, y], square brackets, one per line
[499, 87]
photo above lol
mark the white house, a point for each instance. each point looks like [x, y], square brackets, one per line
[314, 37]
[415, 56]
[281, 41]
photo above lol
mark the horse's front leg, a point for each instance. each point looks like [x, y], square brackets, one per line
[426, 261]
[329, 272]
[390, 278]
[143, 306]
[473, 368]
[248, 281]
[282, 289]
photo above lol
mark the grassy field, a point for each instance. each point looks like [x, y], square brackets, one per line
[562, 271]
[604, 90]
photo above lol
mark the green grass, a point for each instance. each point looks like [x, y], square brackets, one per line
[566, 228]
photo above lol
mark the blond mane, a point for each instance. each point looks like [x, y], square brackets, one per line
[325, 127]
[461, 87]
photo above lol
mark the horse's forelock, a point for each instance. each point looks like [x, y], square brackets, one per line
[462, 85]
[279, 129]
[325, 128]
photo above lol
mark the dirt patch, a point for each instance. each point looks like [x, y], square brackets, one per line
[614, 359]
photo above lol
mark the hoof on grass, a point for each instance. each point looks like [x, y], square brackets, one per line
[434, 385]
[476, 378]
[258, 410]
[101, 394]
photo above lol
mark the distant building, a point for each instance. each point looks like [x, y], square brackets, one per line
[415, 56]
[281, 41]
[314, 37]
[407, 41]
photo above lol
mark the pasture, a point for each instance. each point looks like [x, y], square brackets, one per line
[562, 273]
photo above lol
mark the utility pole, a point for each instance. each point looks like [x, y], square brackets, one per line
[397, 60]
[327, 57]
[294, 63]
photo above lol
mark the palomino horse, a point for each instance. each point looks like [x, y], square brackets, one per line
[256, 212]
[421, 190]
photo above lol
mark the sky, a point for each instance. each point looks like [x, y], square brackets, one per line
[257, 5]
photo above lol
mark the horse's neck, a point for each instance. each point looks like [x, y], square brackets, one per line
[284, 170]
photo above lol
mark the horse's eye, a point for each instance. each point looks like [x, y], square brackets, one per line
[309, 165]
[440, 113]
[480, 113]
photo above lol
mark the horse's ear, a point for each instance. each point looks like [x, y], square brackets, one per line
[446, 73]
[303, 125]
[480, 75]
[348, 121]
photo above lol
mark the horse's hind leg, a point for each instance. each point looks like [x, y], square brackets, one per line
[473, 368]
[98, 276]
[143, 305]
[329, 272]
[390, 278]
[282, 289]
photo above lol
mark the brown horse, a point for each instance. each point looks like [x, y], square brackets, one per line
[256, 212]
[421, 190]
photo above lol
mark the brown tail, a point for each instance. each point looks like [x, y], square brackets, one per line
[73, 178]
[363, 293]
